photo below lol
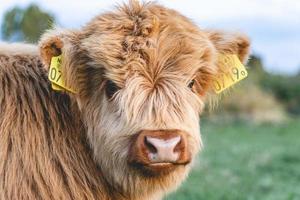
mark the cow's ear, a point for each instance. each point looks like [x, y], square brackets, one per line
[221, 43]
[62, 43]
[230, 43]
[57, 42]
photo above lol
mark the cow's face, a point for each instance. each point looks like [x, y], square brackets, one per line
[141, 75]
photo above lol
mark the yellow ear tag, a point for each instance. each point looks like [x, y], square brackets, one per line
[232, 71]
[55, 75]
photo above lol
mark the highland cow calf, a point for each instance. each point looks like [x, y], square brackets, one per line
[130, 130]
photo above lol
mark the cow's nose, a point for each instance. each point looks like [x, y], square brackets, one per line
[159, 147]
[162, 150]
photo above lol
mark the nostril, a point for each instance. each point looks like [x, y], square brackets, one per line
[178, 147]
[150, 146]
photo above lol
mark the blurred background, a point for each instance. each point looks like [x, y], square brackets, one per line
[252, 138]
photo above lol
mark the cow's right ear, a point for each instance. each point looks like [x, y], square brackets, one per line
[65, 43]
[57, 42]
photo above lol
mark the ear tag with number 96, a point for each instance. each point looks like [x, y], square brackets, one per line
[55, 75]
[232, 71]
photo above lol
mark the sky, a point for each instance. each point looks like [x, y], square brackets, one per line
[272, 25]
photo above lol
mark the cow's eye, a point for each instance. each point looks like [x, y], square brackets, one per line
[191, 83]
[111, 88]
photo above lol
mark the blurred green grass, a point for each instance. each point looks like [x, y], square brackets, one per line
[245, 161]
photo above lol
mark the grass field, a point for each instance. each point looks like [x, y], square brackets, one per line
[243, 161]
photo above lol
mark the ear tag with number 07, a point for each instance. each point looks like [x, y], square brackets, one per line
[55, 75]
[232, 71]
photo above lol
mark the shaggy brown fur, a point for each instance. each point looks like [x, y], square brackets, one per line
[43, 150]
[77, 146]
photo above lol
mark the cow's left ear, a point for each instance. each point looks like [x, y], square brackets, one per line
[222, 43]
[231, 43]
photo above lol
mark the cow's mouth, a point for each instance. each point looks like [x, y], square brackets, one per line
[157, 169]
